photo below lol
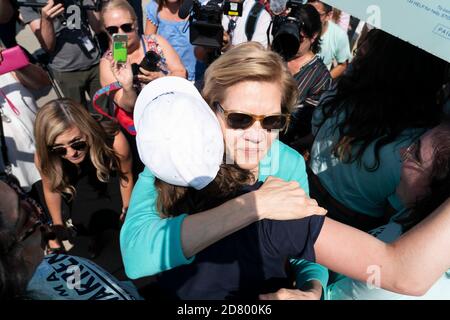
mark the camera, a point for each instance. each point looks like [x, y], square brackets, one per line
[150, 63]
[205, 22]
[286, 31]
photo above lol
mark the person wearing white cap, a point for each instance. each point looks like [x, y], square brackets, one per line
[151, 242]
[172, 118]
[180, 141]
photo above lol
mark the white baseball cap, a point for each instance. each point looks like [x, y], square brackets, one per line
[178, 136]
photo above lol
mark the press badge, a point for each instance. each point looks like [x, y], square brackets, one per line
[88, 43]
[233, 8]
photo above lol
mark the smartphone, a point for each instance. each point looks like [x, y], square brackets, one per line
[120, 47]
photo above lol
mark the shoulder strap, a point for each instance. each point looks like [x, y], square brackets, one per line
[250, 24]
[6, 162]
[103, 91]
[143, 43]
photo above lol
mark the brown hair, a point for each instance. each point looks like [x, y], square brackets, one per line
[60, 115]
[439, 179]
[175, 200]
[162, 3]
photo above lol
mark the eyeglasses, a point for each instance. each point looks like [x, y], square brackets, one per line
[241, 120]
[412, 153]
[62, 150]
[126, 27]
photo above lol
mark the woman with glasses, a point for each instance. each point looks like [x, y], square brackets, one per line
[424, 186]
[381, 105]
[163, 19]
[119, 17]
[85, 165]
[187, 177]
[251, 92]
[25, 273]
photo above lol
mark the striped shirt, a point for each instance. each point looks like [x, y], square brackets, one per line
[312, 80]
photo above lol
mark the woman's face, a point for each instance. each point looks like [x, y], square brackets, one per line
[416, 169]
[118, 18]
[72, 141]
[247, 147]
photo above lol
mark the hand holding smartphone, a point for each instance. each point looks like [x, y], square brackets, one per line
[52, 9]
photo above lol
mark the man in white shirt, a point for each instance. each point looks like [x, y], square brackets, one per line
[236, 29]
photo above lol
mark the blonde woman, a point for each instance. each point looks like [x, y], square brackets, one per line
[251, 94]
[119, 17]
[85, 165]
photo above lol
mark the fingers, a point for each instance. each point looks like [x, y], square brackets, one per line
[282, 294]
[56, 11]
[289, 294]
[317, 211]
[267, 296]
[313, 208]
[148, 78]
[51, 10]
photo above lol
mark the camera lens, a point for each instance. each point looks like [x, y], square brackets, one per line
[287, 40]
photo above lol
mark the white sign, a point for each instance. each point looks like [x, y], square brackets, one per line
[424, 23]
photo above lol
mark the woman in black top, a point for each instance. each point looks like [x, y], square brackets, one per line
[87, 163]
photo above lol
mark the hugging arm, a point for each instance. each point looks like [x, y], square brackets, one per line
[410, 265]
[151, 244]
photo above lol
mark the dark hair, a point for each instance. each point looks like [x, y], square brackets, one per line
[326, 7]
[162, 3]
[311, 25]
[392, 86]
[14, 275]
[175, 200]
[439, 179]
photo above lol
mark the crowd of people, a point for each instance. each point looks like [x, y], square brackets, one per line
[239, 172]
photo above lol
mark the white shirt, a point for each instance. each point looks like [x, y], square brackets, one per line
[262, 24]
[18, 130]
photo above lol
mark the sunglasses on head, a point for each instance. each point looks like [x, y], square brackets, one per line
[241, 120]
[126, 27]
[62, 150]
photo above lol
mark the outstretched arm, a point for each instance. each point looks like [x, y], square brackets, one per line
[410, 265]
[151, 244]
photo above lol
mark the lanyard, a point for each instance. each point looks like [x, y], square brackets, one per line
[11, 105]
